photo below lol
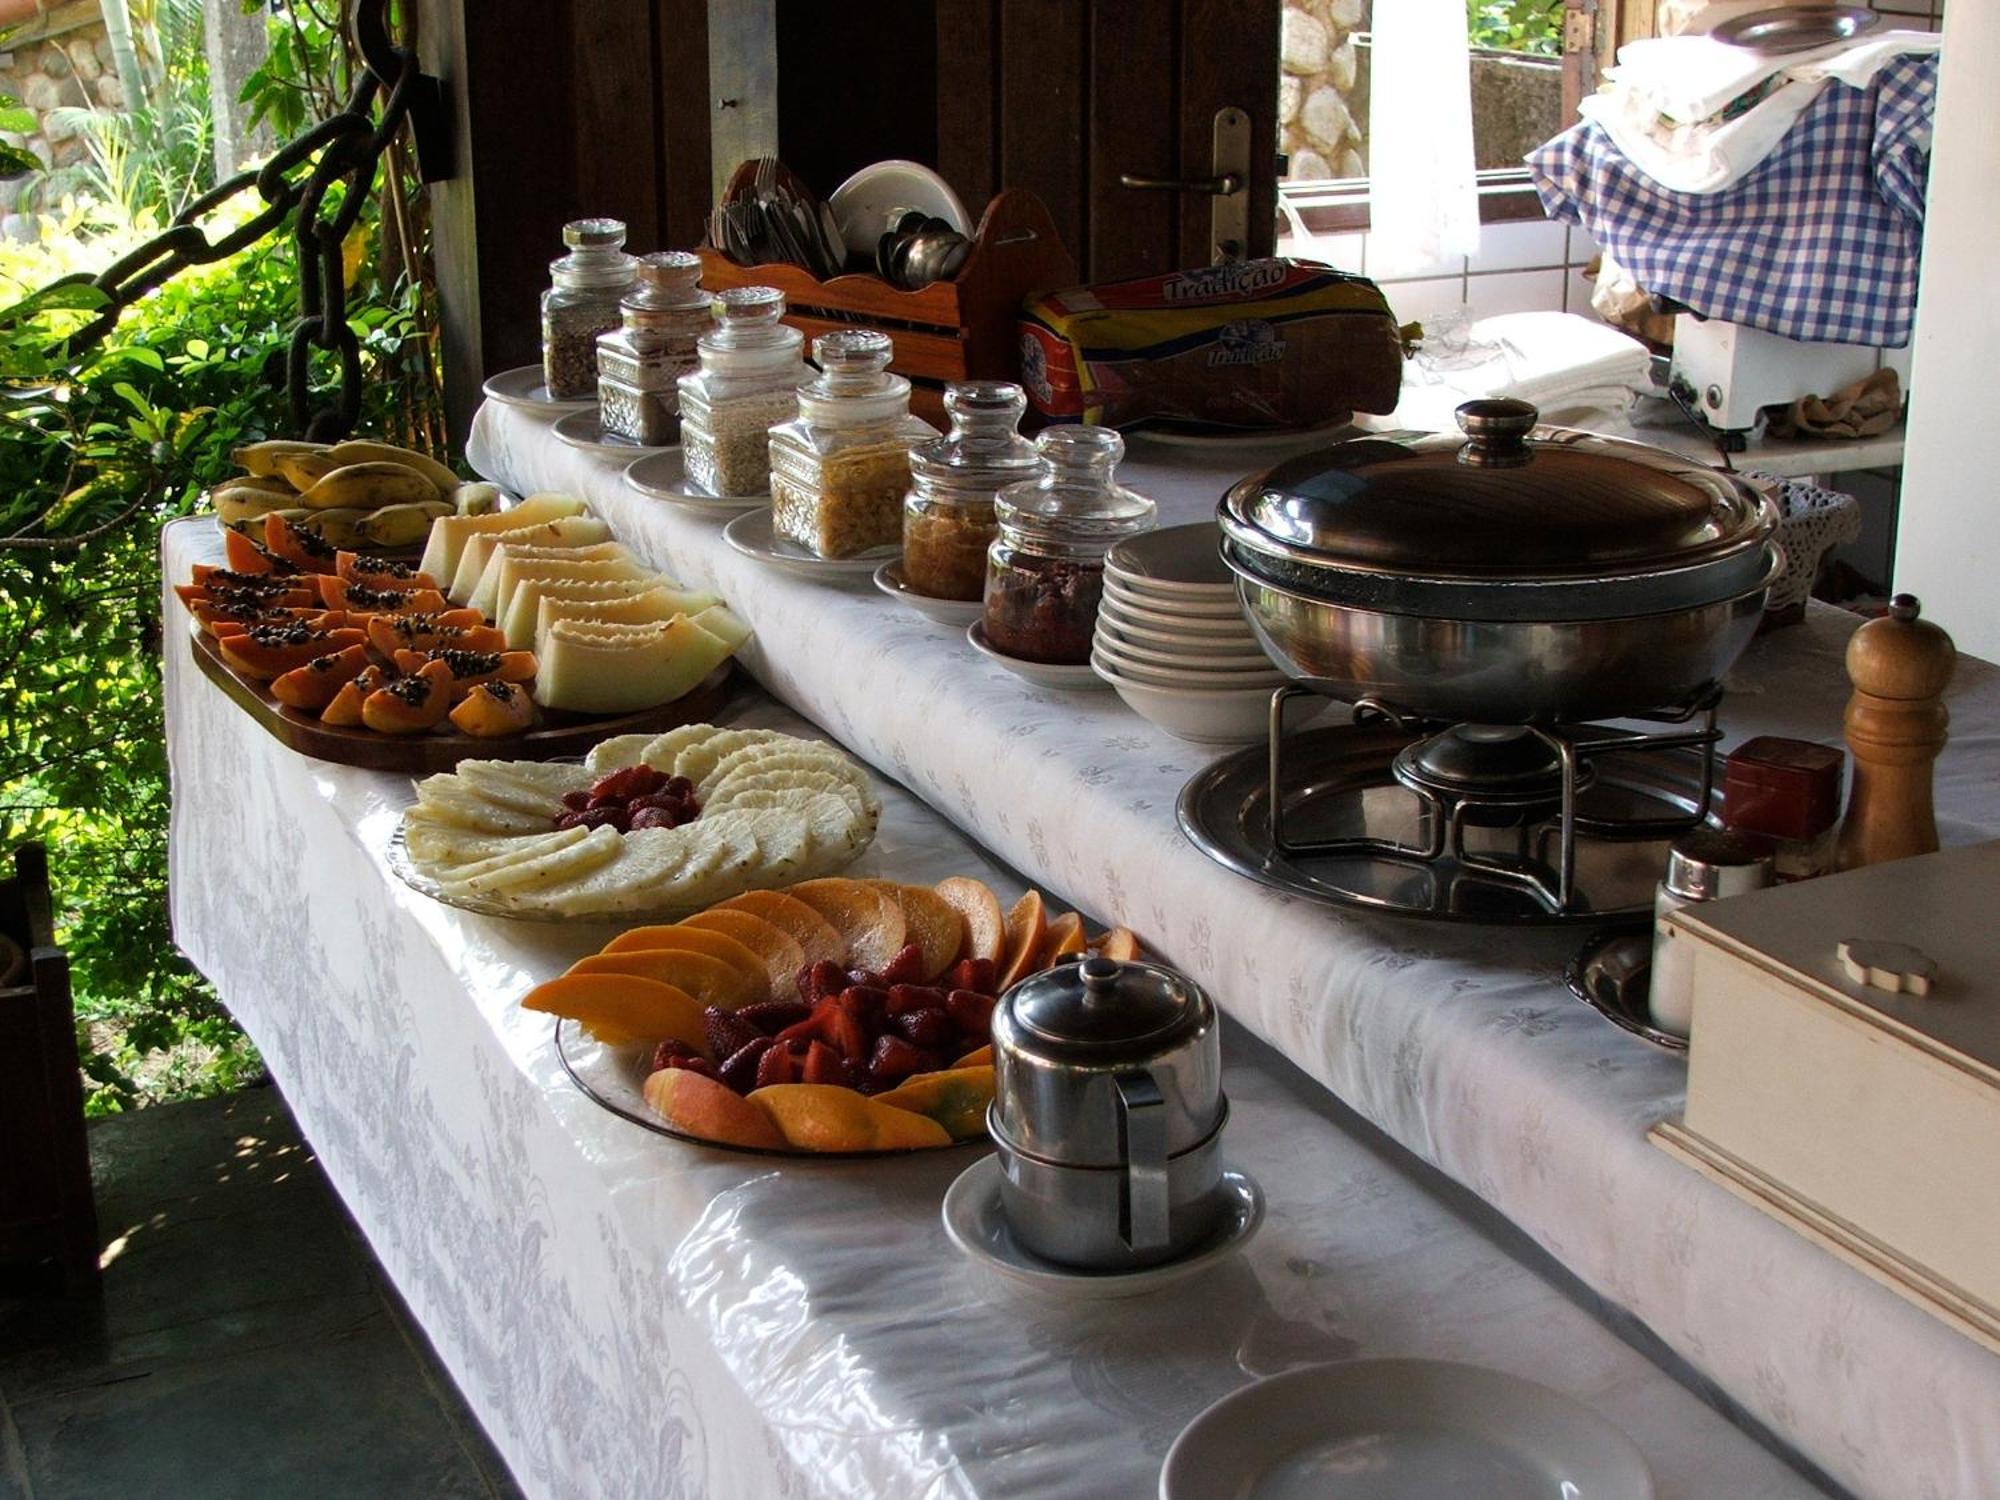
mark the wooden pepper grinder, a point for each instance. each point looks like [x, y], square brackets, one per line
[1896, 725]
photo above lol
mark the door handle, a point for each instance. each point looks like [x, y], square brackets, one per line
[1220, 187]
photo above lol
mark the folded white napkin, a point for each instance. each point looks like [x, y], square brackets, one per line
[1691, 78]
[1564, 363]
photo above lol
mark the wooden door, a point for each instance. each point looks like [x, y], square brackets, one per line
[1070, 97]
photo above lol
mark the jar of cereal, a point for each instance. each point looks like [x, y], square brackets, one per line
[640, 363]
[748, 383]
[948, 515]
[582, 303]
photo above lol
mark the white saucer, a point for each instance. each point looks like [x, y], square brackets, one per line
[523, 387]
[1042, 673]
[585, 429]
[1401, 1429]
[889, 579]
[1216, 606]
[1184, 561]
[975, 1224]
[663, 476]
[752, 534]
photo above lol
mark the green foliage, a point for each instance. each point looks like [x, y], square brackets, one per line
[1516, 25]
[14, 162]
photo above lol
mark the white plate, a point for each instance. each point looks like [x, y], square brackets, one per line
[869, 203]
[663, 476]
[975, 1224]
[1401, 1429]
[752, 534]
[1208, 607]
[889, 579]
[1205, 715]
[523, 387]
[1183, 673]
[1199, 656]
[1208, 629]
[1184, 560]
[1043, 674]
[585, 429]
[1177, 635]
[1244, 442]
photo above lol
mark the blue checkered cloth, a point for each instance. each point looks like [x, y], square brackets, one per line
[1820, 241]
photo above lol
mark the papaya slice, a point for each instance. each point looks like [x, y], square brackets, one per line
[233, 619]
[711, 1110]
[338, 593]
[1062, 940]
[709, 980]
[471, 668]
[266, 651]
[373, 572]
[410, 704]
[313, 685]
[248, 555]
[299, 545]
[344, 712]
[623, 1008]
[494, 710]
[465, 629]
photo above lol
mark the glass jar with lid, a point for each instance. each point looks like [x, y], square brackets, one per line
[1045, 569]
[838, 472]
[948, 515]
[640, 363]
[747, 383]
[582, 303]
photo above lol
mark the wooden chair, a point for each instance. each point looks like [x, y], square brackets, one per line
[48, 1221]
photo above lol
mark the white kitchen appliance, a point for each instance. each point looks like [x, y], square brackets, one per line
[1726, 373]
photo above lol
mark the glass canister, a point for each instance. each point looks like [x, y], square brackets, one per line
[1045, 570]
[948, 518]
[582, 303]
[839, 471]
[640, 363]
[747, 383]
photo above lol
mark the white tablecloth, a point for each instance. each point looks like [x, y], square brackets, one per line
[1460, 1042]
[632, 1316]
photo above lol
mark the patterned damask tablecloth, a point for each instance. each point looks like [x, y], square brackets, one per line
[1460, 1042]
[633, 1316]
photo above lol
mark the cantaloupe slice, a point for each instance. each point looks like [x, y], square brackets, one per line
[624, 668]
[564, 531]
[485, 594]
[449, 533]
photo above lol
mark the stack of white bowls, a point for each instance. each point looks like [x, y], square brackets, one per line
[1172, 639]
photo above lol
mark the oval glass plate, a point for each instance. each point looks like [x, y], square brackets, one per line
[523, 386]
[397, 856]
[614, 1078]
[663, 476]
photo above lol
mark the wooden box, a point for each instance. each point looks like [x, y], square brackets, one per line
[1866, 1119]
[963, 329]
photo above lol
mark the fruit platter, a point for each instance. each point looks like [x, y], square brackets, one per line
[523, 633]
[646, 825]
[833, 1017]
[375, 497]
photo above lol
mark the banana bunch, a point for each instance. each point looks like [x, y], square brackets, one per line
[358, 493]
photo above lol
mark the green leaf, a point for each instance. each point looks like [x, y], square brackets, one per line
[63, 296]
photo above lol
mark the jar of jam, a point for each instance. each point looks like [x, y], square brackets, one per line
[839, 470]
[640, 363]
[1045, 570]
[748, 383]
[948, 518]
[581, 303]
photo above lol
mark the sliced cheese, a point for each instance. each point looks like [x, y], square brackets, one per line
[512, 569]
[449, 533]
[523, 611]
[653, 606]
[623, 668]
[566, 531]
[485, 595]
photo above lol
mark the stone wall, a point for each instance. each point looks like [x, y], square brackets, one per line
[71, 70]
[1322, 118]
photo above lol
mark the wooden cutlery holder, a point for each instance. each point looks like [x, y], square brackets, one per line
[963, 329]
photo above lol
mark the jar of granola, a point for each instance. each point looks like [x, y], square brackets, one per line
[839, 471]
[748, 382]
[1045, 570]
[948, 515]
[582, 303]
[640, 363]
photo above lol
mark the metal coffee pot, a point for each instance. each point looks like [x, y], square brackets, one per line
[1108, 1111]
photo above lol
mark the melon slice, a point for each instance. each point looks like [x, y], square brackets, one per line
[524, 609]
[449, 533]
[614, 669]
[564, 531]
[511, 560]
[653, 606]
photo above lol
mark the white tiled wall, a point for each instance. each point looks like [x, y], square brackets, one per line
[1523, 265]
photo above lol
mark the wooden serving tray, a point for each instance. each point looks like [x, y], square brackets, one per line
[556, 734]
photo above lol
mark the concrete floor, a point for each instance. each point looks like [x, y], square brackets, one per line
[247, 1344]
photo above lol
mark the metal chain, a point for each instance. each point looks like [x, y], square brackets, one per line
[343, 149]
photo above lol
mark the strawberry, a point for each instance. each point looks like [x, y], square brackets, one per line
[740, 1070]
[777, 1065]
[977, 974]
[905, 998]
[907, 967]
[772, 1016]
[895, 1059]
[727, 1032]
[972, 1010]
[824, 1065]
[667, 1051]
[869, 977]
[627, 782]
[844, 1028]
[931, 1029]
[821, 980]
[699, 1065]
[866, 1004]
